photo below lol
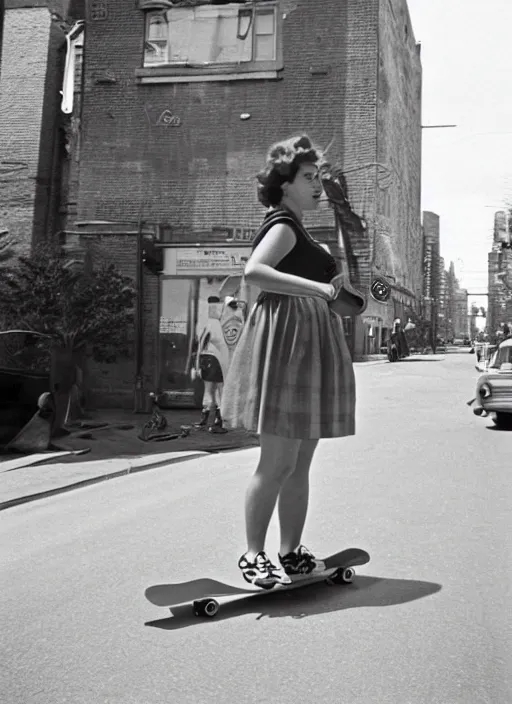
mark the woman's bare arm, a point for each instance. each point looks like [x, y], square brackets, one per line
[260, 269]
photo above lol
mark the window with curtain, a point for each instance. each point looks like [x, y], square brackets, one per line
[211, 35]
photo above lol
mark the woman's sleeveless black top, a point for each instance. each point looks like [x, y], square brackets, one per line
[307, 259]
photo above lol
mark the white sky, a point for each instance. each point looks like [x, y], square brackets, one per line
[466, 49]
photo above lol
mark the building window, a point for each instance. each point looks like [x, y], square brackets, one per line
[79, 63]
[347, 326]
[157, 40]
[212, 39]
[384, 202]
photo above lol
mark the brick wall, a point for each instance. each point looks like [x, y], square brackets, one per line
[22, 93]
[201, 173]
[30, 80]
[2, 11]
[398, 234]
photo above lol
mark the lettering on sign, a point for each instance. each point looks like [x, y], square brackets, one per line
[98, 10]
[236, 234]
[167, 119]
[209, 260]
[173, 326]
[243, 234]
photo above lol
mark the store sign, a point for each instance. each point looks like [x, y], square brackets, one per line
[167, 325]
[235, 234]
[197, 261]
[428, 271]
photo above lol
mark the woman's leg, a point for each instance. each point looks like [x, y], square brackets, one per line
[278, 458]
[294, 499]
[209, 395]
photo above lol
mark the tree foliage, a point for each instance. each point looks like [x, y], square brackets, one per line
[421, 335]
[7, 243]
[76, 309]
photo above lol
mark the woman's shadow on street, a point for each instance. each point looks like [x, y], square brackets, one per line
[308, 601]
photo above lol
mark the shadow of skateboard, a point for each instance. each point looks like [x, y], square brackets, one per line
[203, 593]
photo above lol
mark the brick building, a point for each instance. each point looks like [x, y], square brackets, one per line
[179, 106]
[500, 273]
[431, 267]
[32, 140]
[460, 323]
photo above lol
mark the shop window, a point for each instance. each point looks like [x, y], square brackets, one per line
[208, 39]
[196, 318]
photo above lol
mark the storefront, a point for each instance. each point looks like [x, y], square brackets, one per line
[372, 334]
[203, 297]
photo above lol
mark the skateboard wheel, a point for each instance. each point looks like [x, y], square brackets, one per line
[347, 575]
[206, 607]
[344, 575]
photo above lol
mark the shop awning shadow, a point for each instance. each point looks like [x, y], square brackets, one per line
[364, 592]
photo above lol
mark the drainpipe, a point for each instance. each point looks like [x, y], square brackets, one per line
[139, 405]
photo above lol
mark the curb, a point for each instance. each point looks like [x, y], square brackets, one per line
[370, 363]
[130, 469]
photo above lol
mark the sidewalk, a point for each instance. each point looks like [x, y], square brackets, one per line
[116, 450]
[110, 451]
[29, 483]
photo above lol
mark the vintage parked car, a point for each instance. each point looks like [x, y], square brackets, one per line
[494, 386]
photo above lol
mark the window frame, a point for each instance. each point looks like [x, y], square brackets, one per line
[169, 73]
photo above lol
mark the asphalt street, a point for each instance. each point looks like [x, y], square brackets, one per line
[424, 486]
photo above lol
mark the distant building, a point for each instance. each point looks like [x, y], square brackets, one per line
[460, 320]
[431, 267]
[500, 273]
[456, 307]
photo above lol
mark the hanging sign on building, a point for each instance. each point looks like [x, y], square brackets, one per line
[197, 261]
[428, 271]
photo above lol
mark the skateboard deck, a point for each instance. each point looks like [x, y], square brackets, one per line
[203, 593]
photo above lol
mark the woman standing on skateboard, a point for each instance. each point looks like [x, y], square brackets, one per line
[291, 378]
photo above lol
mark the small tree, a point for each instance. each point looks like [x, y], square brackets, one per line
[77, 311]
[421, 335]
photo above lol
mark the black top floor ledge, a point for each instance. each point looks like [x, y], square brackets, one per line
[75, 8]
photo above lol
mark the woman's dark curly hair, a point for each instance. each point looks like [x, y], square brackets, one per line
[283, 162]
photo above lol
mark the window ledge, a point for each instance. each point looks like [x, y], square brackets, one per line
[171, 75]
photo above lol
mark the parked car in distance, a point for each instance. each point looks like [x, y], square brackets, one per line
[494, 386]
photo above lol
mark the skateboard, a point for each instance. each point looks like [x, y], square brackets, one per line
[203, 594]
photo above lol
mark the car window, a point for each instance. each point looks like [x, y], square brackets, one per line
[501, 356]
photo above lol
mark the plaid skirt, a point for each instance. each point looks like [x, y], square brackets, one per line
[291, 373]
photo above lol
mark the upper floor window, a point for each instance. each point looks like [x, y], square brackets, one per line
[229, 36]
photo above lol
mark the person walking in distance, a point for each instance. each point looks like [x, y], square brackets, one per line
[291, 379]
[208, 365]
